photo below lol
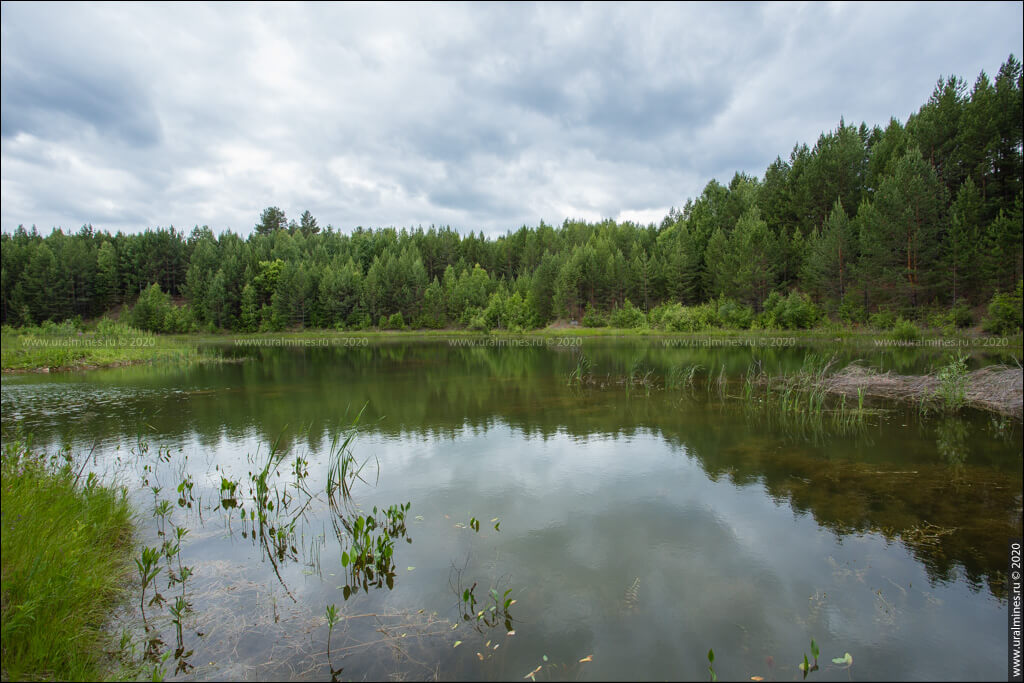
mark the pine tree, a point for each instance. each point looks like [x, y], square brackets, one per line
[271, 220]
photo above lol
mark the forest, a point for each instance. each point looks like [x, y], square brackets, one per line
[867, 225]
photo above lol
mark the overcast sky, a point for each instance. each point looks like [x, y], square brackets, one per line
[480, 116]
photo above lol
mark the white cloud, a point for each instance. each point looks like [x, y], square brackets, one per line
[479, 116]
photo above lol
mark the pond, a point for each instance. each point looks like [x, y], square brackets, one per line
[620, 528]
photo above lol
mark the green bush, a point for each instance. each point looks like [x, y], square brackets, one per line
[949, 319]
[517, 314]
[675, 317]
[905, 330]
[735, 315]
[851, 310]
[383, 322]
[179, 319]
[359, 321]
[478, 322]
[593, 318]
[494, 313]
[1004, 312]
[953, 382]
[882, 320]
[962, 314]
[151, 309]
[627, 317]
[794, 312]
[428, 322]
[396, 321]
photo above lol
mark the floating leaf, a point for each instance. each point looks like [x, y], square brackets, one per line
[544, 657]
[846, 659]
[511, 633]
[757, 678]
[457, 643]
[410, 568]
[588, 658]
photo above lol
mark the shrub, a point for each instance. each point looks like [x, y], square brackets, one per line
[851, 310]
[794, 312]
[882, 320]
[905, 330]
[733, 314]
[478, 322]
[179, 319]
[359, 321]
[678, 318]
[961, 314]
[949, 319]
[396, 321]
[593, 318]
[1004, 312]
[953, 382]
[495, 312]
[151, 309]
[627, 316]
[517, 314]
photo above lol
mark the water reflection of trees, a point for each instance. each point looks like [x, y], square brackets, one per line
[947, 489]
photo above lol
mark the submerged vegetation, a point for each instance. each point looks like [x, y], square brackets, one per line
[821, 388]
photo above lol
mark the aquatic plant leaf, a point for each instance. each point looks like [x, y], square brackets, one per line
[588, 658]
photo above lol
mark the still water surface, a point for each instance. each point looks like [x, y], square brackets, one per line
[638, 526]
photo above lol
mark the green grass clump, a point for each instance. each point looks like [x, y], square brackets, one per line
[953, 383]
[66, 558]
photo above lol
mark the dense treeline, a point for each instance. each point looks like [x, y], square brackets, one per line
[903, 219]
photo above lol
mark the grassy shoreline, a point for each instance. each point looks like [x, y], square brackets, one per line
[820, 333]
[64, 347]
[33, 351]
[67, 543]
